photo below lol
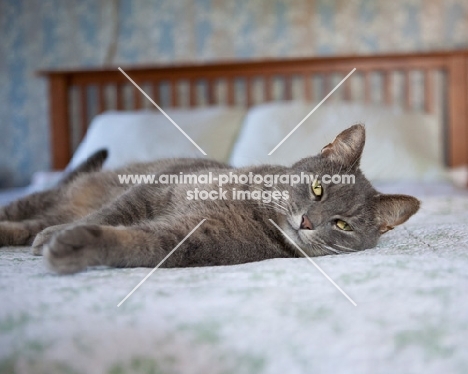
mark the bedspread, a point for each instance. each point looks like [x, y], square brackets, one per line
[275, 316]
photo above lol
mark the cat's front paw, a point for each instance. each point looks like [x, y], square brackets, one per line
[44, 237]
[73, 249]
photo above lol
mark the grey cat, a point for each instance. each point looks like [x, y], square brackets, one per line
[91, 219]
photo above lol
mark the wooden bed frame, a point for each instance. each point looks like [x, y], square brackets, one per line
[85, 88]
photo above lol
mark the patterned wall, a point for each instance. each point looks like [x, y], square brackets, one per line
[39, 34]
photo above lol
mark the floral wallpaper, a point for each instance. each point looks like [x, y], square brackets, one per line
[43, 34]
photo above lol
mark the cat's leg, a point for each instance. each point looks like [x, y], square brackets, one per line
[217, 241]
[79, 246]
[17, 233]
[20, 230]
[29, 206]
[128, 209]
[35, 204]
[24, 232]
[23, 219]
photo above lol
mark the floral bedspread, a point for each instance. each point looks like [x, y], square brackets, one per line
[275, 316]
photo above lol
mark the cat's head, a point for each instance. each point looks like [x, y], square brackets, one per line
[327, 218]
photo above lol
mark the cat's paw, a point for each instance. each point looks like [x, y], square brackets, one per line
[44, 237]
[73, 249]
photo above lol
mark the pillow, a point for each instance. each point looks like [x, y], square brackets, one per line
[399, 146]
[459, 176]
[141, 136]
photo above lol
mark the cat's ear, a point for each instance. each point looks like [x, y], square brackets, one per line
[347, 146]
[393, 210]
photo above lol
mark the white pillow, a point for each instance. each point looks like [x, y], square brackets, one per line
[399, 146]
[147, 135]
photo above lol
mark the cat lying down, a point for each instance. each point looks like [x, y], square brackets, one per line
[91, 218]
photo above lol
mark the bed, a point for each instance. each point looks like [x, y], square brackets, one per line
[279, 315]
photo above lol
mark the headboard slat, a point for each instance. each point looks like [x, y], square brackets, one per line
[347, 89]
[119, 96]
[367, 87]
[155, 89]
[388, 88]
[101, 99]
[288, 87]
[308, 93]
[230, 91]
[59, 115]
[429, 103]
[408, 96]
[83, 109]
[326, 84]
[458, 110]
[137, 97]
[211, 92]
[268, 88]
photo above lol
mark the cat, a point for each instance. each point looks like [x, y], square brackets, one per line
[91, 219]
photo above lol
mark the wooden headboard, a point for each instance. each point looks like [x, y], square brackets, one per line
[77, 95]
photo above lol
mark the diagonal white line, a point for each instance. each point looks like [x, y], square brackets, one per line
[162, 261]
[312, 111]
[313, 263]
[163, 112]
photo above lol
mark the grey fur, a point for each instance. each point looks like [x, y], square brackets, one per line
[91, 219]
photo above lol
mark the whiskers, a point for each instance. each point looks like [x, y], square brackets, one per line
[319, 244]
[326, 247]
[346, 249]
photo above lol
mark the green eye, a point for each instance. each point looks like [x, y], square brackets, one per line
[342, 225]
[316, 188]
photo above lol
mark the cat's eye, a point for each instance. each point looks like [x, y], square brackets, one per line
[342, 225]
[316, 188]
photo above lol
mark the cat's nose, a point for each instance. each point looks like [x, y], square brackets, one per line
[306, 224]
